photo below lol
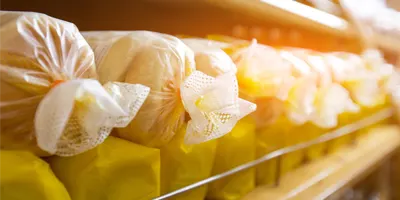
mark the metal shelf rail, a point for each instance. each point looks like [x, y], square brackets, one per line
[379, 116]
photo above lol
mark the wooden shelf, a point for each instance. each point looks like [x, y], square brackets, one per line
[297, 14]
[289, 12]
[336, 172]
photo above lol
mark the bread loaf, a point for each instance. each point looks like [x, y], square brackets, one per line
[50, 95]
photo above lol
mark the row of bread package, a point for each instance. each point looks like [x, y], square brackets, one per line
[137, 114]
[118, 115]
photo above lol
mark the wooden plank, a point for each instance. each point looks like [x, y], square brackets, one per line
[336, 172]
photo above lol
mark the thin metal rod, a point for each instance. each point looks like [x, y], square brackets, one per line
[367, 121]
[278, 171]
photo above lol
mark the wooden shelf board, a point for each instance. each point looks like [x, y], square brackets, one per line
[336, 172]
[290, 12]
[300, 15]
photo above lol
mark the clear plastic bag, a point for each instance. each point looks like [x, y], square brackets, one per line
[300, 102]
[236, 147]
[258, 73]
[167, 66]
[351, 72]
[159, 61]
[209, 56]
[331, 99]
[50, 95]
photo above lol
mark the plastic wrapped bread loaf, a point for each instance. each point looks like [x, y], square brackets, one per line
[266, 78]
[351, 71]
[167, 66]
[50, 96]
[236, 147]
[305, 107]
[26, 176]
[331, 100]
[258, 76]
[364, 81]
[185, 109]
[159, 61]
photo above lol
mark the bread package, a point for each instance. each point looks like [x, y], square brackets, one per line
[299, 99]
[267, 80]
[236, 147]
[186, 108]
[331, 100]
[50, 96]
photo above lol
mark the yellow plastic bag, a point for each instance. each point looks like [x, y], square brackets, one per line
[234, 149]
[269, 139]
[116, 169]
[50, 98]
[25, 176]
[183, 164]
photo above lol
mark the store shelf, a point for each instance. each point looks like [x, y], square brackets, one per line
[336, 172]
[289, 12]
[297, 14]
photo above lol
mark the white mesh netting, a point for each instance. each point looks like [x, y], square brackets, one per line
[78, 115]
[213, 105]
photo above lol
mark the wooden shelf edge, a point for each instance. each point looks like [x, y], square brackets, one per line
[290, 12]
[297, 14]
[336, 172]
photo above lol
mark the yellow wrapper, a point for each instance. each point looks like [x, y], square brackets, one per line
[116, 169]
[366, 112]
[348, 118]
[270, 139]
[182, 165]
[343, 120]
[293, 135]
[316, 151]
[234, 149]
[25, 176]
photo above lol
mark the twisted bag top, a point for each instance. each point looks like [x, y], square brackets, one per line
[49, 91]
